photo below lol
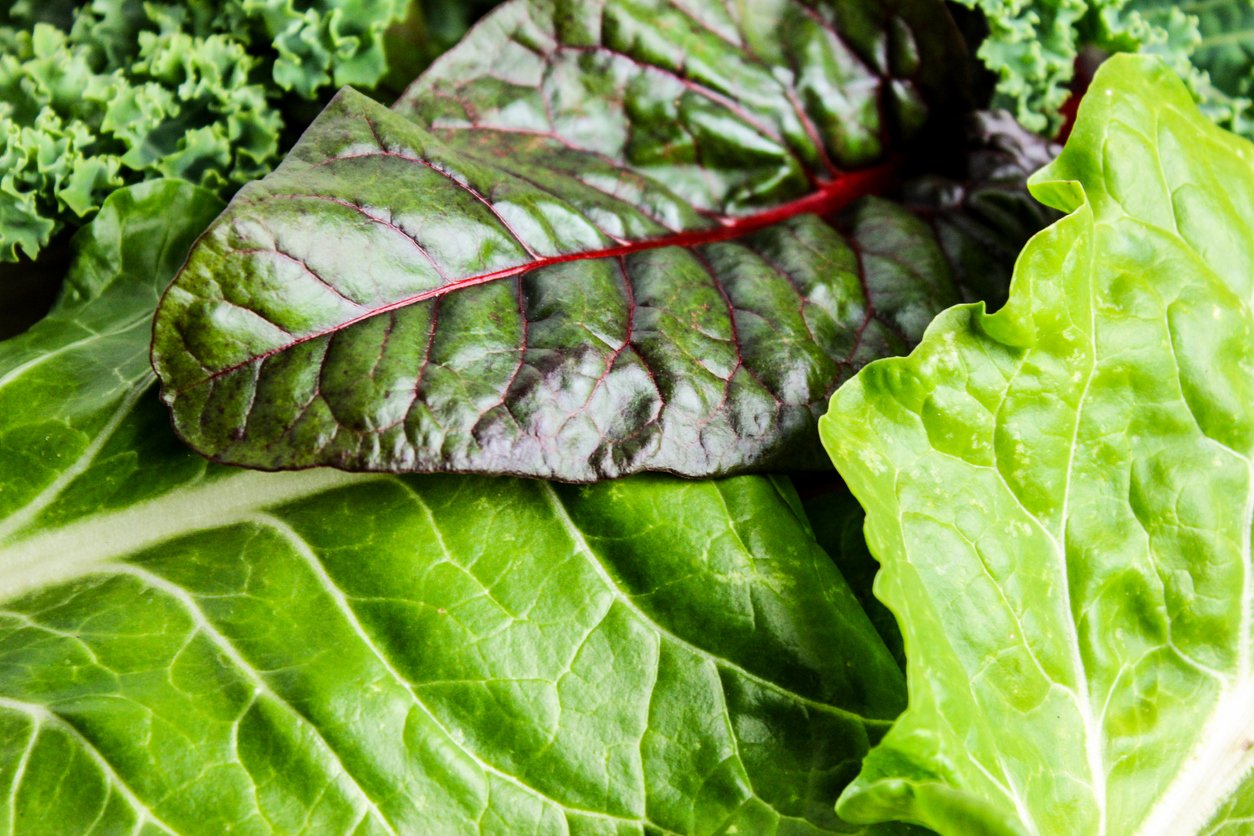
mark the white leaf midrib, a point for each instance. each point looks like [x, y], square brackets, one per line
[1093, 738]
[1224, 753]
[56, 555]
[1212, 771]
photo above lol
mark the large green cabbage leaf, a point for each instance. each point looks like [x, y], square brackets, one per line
[1061, 495]
[191, 648]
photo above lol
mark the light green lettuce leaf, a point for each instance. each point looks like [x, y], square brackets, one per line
[1060, 495]
[190, 648]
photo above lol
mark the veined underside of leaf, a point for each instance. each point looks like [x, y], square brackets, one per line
[587, 243]
[191, 648]
[1061, 497]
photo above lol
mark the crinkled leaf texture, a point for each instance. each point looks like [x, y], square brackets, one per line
[94, 95]
[1032, 47]
[1217, 36]
[577, 248]
[191, 648]
[1060, 495]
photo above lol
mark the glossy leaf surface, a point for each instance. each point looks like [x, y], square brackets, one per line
[191, 648]
[1060, 495]
[583, 245]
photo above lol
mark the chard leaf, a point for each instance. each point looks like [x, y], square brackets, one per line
[191, 648]
[1060, 495]
[585, 244]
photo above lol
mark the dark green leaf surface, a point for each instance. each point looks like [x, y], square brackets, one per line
[837, 520]
[1061, 497]
[1226, 50]
[476, 280]
[190, 648]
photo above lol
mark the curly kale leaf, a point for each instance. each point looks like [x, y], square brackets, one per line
[1032, 48]
[97, 95]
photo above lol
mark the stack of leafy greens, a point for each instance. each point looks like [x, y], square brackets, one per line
[646, 240]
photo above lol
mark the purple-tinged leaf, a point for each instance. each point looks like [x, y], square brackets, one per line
[589, 242]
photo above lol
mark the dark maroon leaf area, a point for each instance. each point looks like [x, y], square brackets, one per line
[593, 239]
